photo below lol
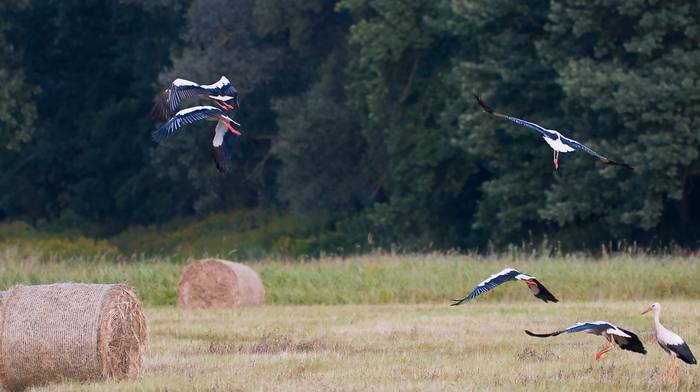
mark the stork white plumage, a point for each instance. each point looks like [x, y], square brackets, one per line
[671, 343]
[194, 114]
[557, 141]
[508, 274]
[222, 93]
[625, 339]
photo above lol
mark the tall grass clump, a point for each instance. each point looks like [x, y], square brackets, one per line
[382, 278]
[386, 278]
[154, 279]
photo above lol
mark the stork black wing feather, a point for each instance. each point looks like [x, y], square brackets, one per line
[631, 344]
[161, 109]
[229, 90]
[683, 352]
[544, 294]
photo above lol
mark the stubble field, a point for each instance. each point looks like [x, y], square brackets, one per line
[383, 323]
[403, 347]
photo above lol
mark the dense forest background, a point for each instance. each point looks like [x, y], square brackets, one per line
[359, 116]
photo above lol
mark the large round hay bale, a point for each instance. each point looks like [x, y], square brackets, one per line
[213, 283]
[70, 331]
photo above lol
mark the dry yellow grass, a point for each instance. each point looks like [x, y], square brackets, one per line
[479, 347]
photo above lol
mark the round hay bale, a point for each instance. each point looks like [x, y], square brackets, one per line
[70, 331]
[213, 283]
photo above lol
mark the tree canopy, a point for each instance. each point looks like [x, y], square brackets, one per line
[363, 111]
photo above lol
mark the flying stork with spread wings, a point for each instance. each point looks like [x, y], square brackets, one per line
[508, 274]
[222, 133]
[557, 141]
[222, 93]
[625, 339]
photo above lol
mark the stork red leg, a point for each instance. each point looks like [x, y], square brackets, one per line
[605, 349]
[224, 105]
[556, 159]
[676, 368]
[673, 369]
[232, 129]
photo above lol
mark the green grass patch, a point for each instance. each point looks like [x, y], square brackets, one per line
[241, 234]
[384, 278]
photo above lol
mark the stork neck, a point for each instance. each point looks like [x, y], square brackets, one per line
[657, 323]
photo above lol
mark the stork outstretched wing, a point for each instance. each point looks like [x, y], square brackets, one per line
[182, 89]
[553, 135]
[190, 116]
[537, 128]
[622, 337]
[580, 146]
[508, 274]
[589, 327]
[170, 99]
[489, 283]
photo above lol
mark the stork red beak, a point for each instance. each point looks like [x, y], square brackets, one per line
[232, 129]
[646, 310]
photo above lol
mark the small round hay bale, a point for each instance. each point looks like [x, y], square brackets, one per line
[70, 331]
[213, 283]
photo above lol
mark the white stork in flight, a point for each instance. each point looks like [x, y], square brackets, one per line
[622, 337]
[220, 148]
[556, 140]
[508, 274]
[673, 344]
[222, 93]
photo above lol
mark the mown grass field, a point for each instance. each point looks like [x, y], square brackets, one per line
[477, 347]
[383, 322]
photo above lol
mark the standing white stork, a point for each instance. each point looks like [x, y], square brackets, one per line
[622, 337]
[222, 93]
[673, 344]
[508, 274]
[556, 140]
[191, 115]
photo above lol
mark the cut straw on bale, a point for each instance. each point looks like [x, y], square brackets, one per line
[213, 283]
[70, 331]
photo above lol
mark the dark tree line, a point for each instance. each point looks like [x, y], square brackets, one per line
[362, 110]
